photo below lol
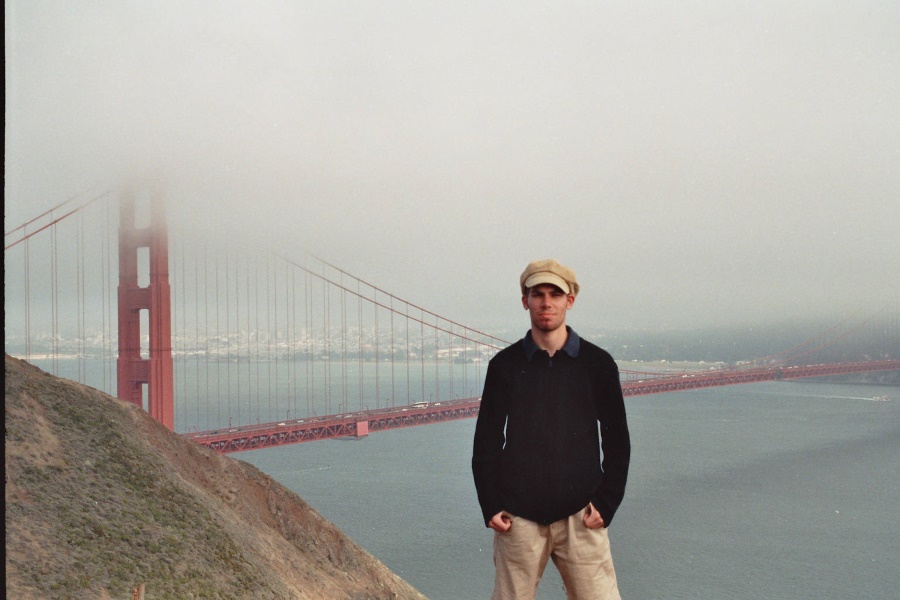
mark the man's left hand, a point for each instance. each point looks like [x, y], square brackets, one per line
[592, 518]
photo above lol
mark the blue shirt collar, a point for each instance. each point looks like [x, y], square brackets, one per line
[573, 343]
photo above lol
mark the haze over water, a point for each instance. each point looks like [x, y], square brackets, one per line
[696, 164]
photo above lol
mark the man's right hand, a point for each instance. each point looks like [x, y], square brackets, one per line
[500, 522]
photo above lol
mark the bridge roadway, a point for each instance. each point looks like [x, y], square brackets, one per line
[360, 424]
[354, 424]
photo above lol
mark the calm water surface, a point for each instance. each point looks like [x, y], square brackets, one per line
[771, 490]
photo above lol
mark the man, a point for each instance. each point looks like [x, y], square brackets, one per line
[542, 484]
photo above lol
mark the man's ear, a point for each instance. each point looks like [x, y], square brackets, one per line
[525, 302]
[570, 301]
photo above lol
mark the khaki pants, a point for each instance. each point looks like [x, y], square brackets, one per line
[580, 554]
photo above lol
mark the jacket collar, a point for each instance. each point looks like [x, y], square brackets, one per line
[571, 347]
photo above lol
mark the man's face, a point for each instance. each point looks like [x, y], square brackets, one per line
[547, 305]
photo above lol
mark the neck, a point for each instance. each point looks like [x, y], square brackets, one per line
[550, 341]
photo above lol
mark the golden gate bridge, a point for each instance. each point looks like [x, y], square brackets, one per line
[239, 349]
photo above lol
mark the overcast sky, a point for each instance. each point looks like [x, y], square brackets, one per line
[696, 163]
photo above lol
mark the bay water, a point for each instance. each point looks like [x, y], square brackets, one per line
[769, 490]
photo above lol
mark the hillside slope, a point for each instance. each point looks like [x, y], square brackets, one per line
[100, 497]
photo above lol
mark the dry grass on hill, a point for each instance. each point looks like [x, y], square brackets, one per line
[100, 498]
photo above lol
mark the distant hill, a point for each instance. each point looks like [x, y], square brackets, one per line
[101, 498]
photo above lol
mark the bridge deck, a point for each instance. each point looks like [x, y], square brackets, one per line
[360, 424]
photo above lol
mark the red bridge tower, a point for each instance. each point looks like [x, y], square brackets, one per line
[132, 370]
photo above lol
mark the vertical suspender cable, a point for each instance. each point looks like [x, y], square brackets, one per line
[326, 327]
[477, 359]
[227, 335]
[103, 289]
[249, 333]
[256, 302]
[377, 351]
[422, 353]
[465, 340]
[83, 300]
[79, 285]
[437, 375]
[113, 260]
[408, 400]
[113, 284]
[344, 345]
[450, 356]
[296, 338]
[206, 322]
[113, 295]
[27, 304]
[54, 300]
[310, 367]
[247, 286]
[276, 343]
[359, 333]
[182, 291]
[299, 341]
[105, 300]
[268, 340]
[238, 336]
[292, 333]
[197, 330]
[393, 354]
[174, 316]
[218, 334]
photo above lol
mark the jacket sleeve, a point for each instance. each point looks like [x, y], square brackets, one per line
[615, 441]
[489, 441]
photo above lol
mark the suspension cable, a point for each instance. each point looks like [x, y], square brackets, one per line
[53, 222]
[450, 323]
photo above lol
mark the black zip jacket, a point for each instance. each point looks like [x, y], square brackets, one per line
[537, 450]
